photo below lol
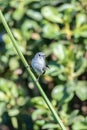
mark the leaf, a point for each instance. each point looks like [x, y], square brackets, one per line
[65, 7]
[57, 92]
[34, 15]
[81, 90]
[50, 31]
[80, 19]
[50, 126]
[39, 102]
[13, 112]
[38, 113]
[8, 45]
[40, 122]
[30, 24]
[80, 125]
[72, 117]
[80, 31]
[80, 66]
[27, 28]
[3, 97]
[54, 69]
[18, 13]
[13, 64]
[63, 93]
[21, 101]
[2, 108]
[59, 50]
[14, 122]
[51, 14]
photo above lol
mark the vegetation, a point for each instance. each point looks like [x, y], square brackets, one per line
[58, 28]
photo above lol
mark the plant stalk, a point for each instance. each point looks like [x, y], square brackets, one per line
[15, 44]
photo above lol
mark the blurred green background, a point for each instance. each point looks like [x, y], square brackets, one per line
[59, 29]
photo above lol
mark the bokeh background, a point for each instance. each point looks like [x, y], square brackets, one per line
[59, 29]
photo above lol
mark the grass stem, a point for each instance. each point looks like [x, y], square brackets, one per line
[15, 44]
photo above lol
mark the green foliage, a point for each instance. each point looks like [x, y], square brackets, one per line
[12, 101]
[59, 28]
